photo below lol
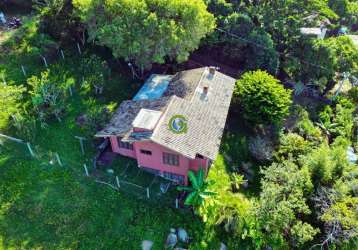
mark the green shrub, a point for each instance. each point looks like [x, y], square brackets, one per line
[48, 95]
[353, 94]
[291, 146]
[306, 128]
[263, 99]
[343, 118]
[96, 71]
[326, 163]
[10, 102]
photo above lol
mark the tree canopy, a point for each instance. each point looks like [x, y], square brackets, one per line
[263, 99]
[147, 31]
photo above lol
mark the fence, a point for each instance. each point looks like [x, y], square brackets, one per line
[128, 179]
[153, 189]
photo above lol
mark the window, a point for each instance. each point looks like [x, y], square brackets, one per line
[199, 156]
[146, 152]
[125, 145]
[171, 159]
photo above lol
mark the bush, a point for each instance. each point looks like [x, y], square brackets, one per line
[343, 118]
[306, 128]
[327, 164]
[96, 71]
[291, 147]
[263, 99]
[48, 95]
[353, 94]
[10, 102]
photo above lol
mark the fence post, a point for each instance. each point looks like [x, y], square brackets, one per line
[3, 79]
[117, 181]
[81, 143]
[30, 149]
[79, 48]
[148, 196]
[45, 62]
[86, 170]
[23, 70]
[62, 54]
[176, 203]
[58, 159]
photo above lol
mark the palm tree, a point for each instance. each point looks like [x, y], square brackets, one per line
[198, 190]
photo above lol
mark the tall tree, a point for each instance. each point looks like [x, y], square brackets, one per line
[147, 31]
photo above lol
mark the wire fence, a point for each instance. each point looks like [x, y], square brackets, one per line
[128, 179]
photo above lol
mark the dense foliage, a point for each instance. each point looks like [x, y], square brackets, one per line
[263, 99]
[150, 31]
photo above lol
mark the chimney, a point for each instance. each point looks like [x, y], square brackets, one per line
[212, 70]
[205, 90]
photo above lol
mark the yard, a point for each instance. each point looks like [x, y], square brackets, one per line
[47, 206]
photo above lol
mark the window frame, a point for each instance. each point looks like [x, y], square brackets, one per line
[125, 145]
[171, 159]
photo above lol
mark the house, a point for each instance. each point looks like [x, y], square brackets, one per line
[315, 32]
[175, 122]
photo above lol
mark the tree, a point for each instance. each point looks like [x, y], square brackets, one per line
[10, 102]
[199, 189]
[320, 60]
[59, 21]
[147, 31]
[282, 205]
[261, 52]
[263, 99]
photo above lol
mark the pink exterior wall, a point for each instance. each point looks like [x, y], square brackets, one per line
[197, 163]
[155, 161]
[122, 151]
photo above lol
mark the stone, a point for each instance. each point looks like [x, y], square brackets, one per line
[172, 239]
[223, 246]
[245, 184]
[110, 171]
[147, 245]
[183, 235]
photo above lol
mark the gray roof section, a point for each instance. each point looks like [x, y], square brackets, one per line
[121, 122]
[206, 117]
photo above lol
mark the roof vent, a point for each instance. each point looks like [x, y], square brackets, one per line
[212, 70]
[205, 90]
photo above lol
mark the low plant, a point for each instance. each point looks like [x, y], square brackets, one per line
[48, 95]
[199, 189]
[10, 102]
